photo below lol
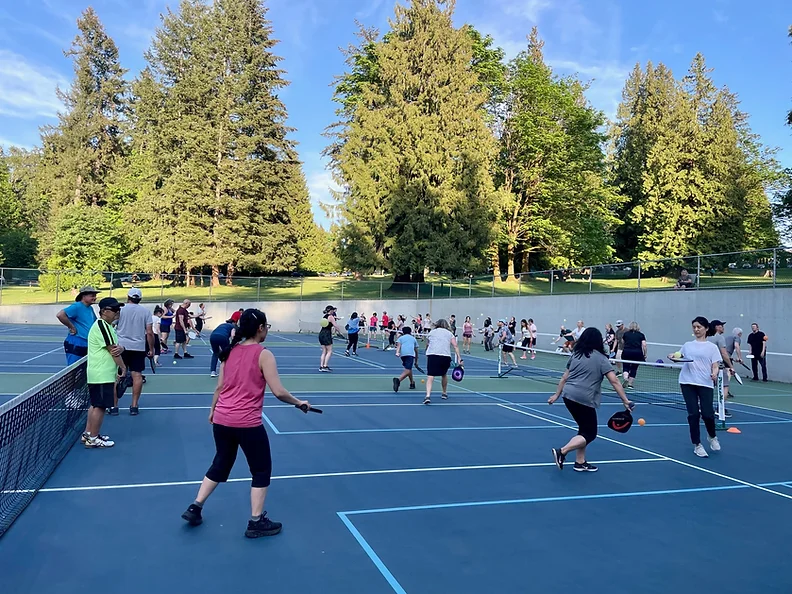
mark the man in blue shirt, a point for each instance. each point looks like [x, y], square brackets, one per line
[407, 350]
[78, 318]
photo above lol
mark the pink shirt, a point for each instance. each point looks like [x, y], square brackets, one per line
[242, 396]
[373, 321]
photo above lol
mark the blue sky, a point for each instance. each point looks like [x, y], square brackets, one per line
[601, 40]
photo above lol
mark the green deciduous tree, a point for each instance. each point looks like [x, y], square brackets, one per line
[221, 175]
[551, 168]
[413, 152]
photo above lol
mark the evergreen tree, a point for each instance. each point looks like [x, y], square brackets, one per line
[82, 153]
[789, 115]
[225, 177]
[415, 154]
[17, 245]
[551, 169]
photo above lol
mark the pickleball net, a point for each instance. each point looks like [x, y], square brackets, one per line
[654, 383]
[37, 429]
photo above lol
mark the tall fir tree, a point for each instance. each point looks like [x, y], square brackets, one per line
[551, 169]
[414, 153]
[83, 152]
[225, 176]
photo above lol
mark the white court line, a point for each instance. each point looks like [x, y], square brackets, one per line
[326, 475]
[42, 355]
[651, 453]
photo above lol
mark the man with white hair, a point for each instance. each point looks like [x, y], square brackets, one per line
[733, 343]
[136, 335]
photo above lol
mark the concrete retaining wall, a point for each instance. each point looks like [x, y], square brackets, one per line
[664, 316]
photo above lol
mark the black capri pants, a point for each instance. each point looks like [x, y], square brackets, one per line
[698, 401]
[585, 417]
[631, 369]
[352, 342]
[255, 445]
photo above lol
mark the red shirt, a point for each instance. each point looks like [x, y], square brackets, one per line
[242, 396]
[385, 321]
[182, 318]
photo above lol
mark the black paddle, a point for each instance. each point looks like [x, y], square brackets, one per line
[305, 408]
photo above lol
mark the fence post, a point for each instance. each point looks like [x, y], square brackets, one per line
[380, 290]
[519, 285]
[258, 288]
[551, 281]
[639, 275]
[302, 284]
[591, 277]
[698, 271]
[57, 286]
[418, 291]
[493, 285]
[432, 294]
[111, 283]
[775, 266]
[2, 282]
[342, 290]
[162, 285]
[450, 286]
[470, 286]
[211, 282]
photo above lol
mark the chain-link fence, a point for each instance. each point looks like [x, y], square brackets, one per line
[761, 268]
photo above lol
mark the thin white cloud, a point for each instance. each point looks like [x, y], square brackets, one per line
[720, 16]
[371, 9]
[6, 143]
[605, 71]
[28, 90]
[320, 188]
[529, 10]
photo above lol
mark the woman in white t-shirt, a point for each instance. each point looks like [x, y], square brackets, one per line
[440, 341]
[696, 380]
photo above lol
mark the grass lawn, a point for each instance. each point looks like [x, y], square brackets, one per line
[333, 289]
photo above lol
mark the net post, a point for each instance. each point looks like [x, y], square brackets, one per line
[775, 265]
[720, 419]
[500, 360]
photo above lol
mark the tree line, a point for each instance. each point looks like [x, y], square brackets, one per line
[449, 157]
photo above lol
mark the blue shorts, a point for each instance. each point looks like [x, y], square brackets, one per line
[373, 329]
[408, 362]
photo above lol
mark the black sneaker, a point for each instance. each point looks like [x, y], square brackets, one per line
[134, 411]
[727, 413]
[559, 458]
[188, 356]
[113, 411]
[346, 353]
[396, 383]
[262, 527]
[765, 380]
[585, 467]
[412, 386]
[177, 356]
[193, 515]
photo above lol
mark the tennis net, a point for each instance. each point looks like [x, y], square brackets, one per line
[651, 383]
[37, 429]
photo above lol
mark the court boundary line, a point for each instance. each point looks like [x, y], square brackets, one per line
[652, 453]
[270, 423]
[340, 474]
[55, 350]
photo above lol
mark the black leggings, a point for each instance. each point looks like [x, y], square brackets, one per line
[352, 342]
[585, 417]
[255, 445]
[698, 401]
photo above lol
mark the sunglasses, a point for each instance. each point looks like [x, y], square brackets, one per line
[113, 309]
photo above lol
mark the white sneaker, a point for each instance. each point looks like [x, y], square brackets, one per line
[213, 374]
[99, 441]
[700, 451]
[714, 444]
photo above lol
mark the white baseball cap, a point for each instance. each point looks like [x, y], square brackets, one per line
[135, 293]
[619, 323]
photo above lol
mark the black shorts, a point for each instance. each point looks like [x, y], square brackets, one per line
[255, 445]
[325, 339]
[585, 417]
[408, 361]
[180, 337]
[437, 365]
[102, 395]
[508, 348]
[134, 360]
[165, 330]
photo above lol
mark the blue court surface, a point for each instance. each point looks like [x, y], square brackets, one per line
[382, 494]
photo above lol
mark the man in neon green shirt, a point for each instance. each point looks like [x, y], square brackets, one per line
[105, 367]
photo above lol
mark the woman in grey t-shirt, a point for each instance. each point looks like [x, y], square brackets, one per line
[581, 389]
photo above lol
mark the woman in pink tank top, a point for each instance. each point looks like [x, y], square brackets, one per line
[236, 417]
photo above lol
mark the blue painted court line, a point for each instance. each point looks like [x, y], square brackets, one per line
[270, 423]
[392, 581]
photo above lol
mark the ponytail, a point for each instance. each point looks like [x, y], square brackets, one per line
[249, 324]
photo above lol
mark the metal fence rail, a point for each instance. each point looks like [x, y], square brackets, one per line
[768, 268]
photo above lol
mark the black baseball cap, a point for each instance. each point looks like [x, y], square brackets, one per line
[110, 303]
[717, 323]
